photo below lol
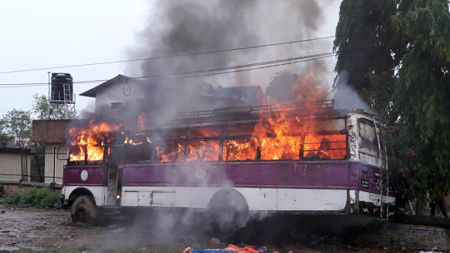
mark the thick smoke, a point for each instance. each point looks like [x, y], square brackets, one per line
[188, 26]
[345, 97]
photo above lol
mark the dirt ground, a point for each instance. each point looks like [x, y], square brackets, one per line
[30, 230]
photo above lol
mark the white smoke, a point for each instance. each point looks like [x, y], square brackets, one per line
[345, 97]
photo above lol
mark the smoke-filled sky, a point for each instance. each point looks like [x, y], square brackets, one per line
[55, 33]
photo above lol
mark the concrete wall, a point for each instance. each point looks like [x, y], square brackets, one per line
[410, 238]
[15, 167]
[55, 159]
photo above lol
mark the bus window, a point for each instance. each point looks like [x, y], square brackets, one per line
[239, 150]
[313, 147]
[329, 146]
[383, 147]
[329, 125]
[170, 151]
[285, 148]
[77, 153]
[202, 150]
[368, 144]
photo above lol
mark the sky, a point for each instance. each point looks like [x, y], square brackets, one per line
[48, 33]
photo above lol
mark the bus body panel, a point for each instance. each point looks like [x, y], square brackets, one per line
[271, 174]
[83, 175]
[258, 199]
[301, 185]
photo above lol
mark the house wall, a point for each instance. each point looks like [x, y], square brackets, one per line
[127, 94]
[14, 167]
[55, 159]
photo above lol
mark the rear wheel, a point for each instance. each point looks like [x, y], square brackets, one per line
[228, 213]
[83, 211]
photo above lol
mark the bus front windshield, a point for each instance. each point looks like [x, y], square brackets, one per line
[368, 144]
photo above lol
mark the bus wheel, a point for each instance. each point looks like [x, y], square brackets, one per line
[83, 211]
[228, 213]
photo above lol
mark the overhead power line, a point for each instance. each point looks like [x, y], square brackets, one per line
[245, 67]
[167, 56]
[201, 72]
[18, 85]
[261, 67]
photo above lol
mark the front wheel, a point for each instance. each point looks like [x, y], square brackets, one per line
[83, 211]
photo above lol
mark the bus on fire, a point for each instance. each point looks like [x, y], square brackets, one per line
[239, 161]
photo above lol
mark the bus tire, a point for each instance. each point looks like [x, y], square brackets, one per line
[228, 212]
[83, 211]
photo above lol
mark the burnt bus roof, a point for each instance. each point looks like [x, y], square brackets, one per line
[248, 114]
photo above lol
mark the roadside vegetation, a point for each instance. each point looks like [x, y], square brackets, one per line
[36, 197]
[397, 57]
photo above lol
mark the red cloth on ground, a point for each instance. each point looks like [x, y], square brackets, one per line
[246, 249]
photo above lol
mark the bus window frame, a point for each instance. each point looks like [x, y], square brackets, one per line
[372, 124]
[222, 129]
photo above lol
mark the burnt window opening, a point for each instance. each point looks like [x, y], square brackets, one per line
[228, 142]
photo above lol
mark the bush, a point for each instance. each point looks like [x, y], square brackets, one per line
[2, 190]
[36, 197]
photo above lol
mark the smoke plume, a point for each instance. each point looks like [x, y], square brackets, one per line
[188, 26]
[345, 97]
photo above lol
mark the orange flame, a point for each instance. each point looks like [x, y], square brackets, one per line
[276, 136]
[280, 134]
[88, 142]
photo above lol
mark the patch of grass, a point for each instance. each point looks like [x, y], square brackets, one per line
[36, 197]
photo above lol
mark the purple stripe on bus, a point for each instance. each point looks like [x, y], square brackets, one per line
[94, 175]
[292, 174]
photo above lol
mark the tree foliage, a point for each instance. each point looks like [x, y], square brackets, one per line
[43, 110]
[17, 123]
[397, 53]
[364, 43]
[4, 136]
[423, 86]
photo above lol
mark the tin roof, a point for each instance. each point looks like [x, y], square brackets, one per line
[93, 92]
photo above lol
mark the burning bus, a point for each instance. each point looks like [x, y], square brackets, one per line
[232, 163]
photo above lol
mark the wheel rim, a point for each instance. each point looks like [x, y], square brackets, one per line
[82, 213]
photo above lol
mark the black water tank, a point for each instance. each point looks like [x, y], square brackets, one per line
[61, 88]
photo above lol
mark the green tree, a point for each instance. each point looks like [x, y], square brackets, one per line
[364, 44]
[43, 110]
[422, 90]
[397, 54]
[4, 136]
[17, 123]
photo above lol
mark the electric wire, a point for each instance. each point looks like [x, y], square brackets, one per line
[169, 56]
[200, 73]
[253, 67]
